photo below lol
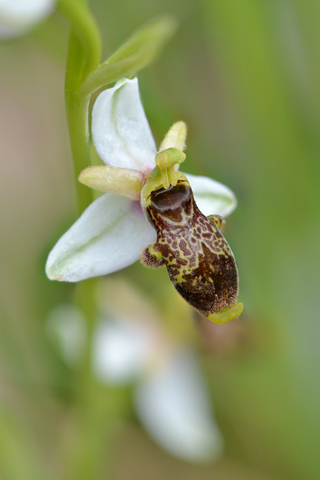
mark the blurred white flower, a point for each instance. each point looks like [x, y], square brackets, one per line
[113, 230]
[170, 395]
[19, 16]
[173, 405]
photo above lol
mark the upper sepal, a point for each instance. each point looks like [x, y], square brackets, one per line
[120, 130]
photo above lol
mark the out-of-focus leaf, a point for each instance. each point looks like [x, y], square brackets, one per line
[136, 53]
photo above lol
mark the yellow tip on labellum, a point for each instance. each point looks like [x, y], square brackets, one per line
[227, 314]
[120, 181]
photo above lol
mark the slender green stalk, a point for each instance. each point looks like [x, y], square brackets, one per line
[77, 115]
[84, 458]
[84, 28]
[83, 58]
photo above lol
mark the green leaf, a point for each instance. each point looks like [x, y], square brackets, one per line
[137, 52]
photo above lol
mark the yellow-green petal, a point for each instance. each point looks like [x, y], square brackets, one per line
[120, 181]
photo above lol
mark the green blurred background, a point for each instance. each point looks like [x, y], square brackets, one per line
[245, 77]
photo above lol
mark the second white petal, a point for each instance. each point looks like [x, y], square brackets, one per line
[212, 197]
[108, 236]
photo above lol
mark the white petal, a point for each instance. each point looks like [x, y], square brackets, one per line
[120, 130]
[173, 406]
[120, 350]
[17, 16]
[212, 197]
[108, 236]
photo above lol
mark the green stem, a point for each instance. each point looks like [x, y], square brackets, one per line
[83, 58]
[77, 116]
[84, 28]
[84, 459]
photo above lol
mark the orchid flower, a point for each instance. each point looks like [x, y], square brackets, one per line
[119, 225]
[19, 16]
[131, 346]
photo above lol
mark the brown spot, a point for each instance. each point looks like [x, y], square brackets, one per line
[207, 235]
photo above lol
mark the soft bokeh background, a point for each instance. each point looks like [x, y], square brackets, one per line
[244, 76]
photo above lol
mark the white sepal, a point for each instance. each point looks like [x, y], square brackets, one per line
[173, 406]
[212, 197]
[120, 130]
[108, 236]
